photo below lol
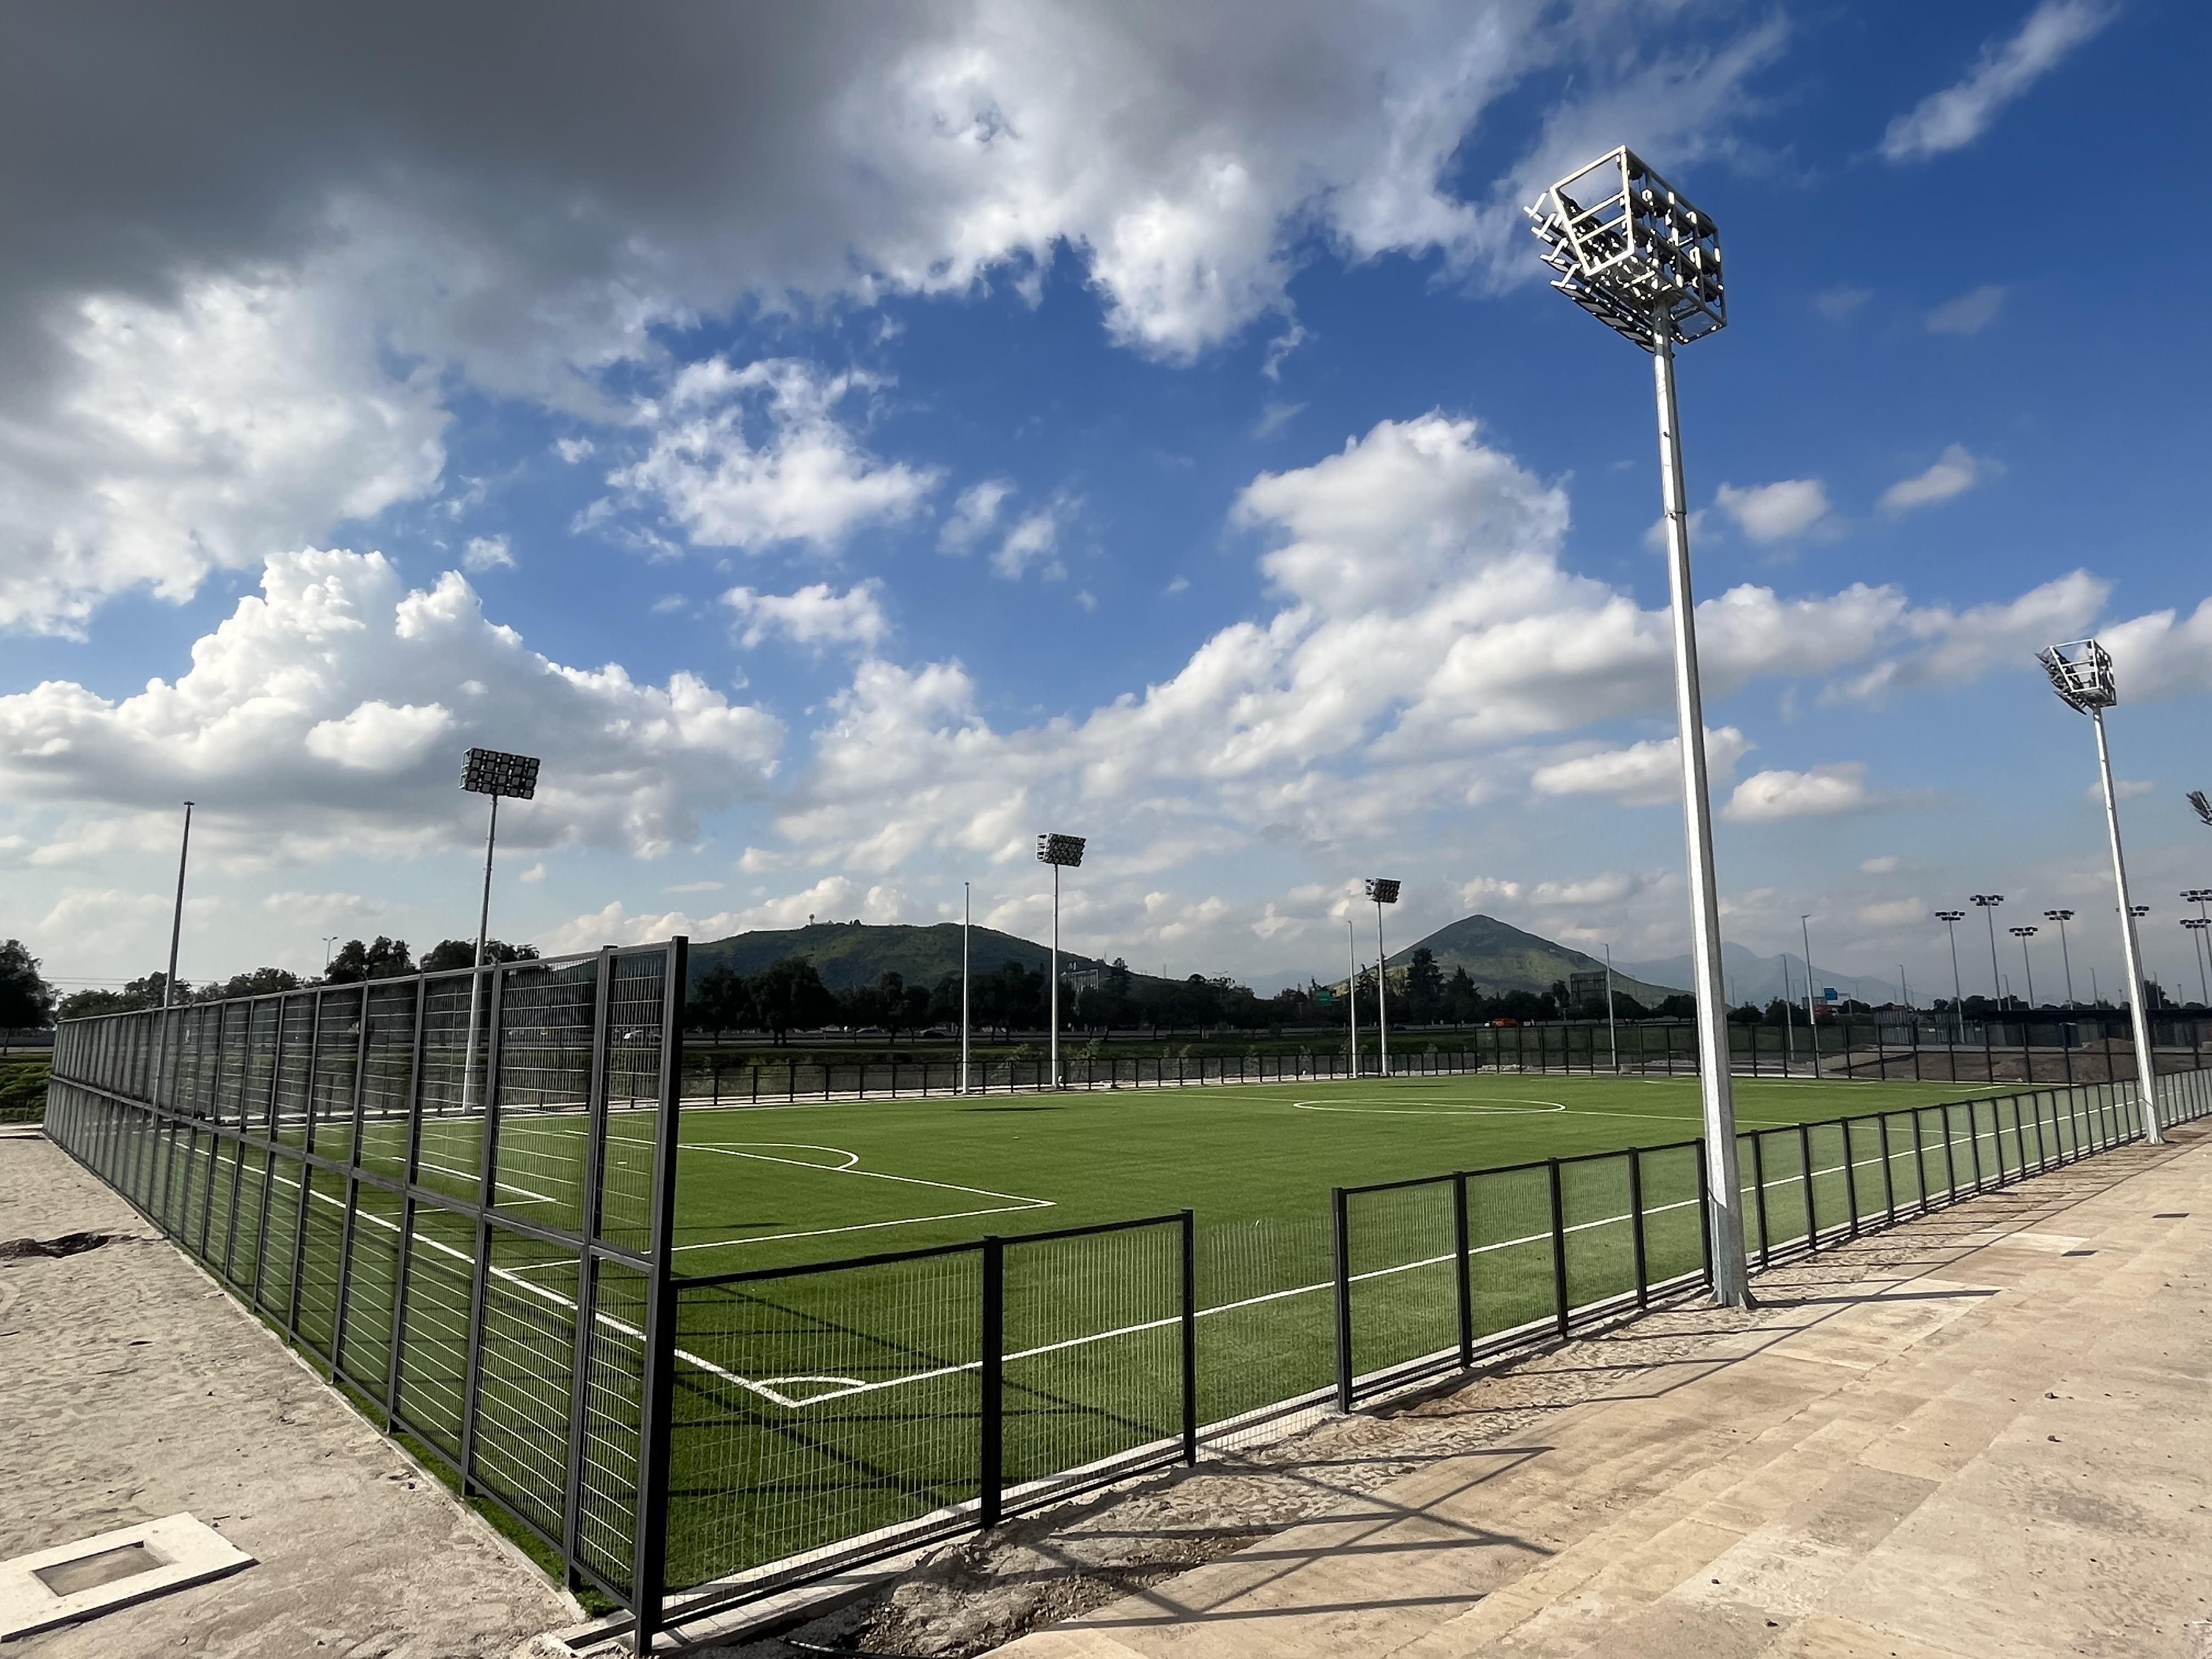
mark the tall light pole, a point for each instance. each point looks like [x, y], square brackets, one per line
[176, 935]
[1351, 990]
[2199, 897]
[1987, 903]
[2065, 956]
[1634, 254]
[495, 772]
[2024, 934]
[1383, 891]
[2081, 673]
[1811, 1024]
[1951, 919]
[2196, 924]
[1611, 1045]
[967, 920]
[329, 943]
[1061, 852]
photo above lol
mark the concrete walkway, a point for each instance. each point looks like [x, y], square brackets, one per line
[130, 1387]
[1986, 1433]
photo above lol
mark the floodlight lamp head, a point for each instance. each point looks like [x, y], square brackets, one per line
[1985, 900]
[1950, 915]
[1066, 851]
[2058, 915]
[491, 772]
[1633, 253]
[1383, 891]
[2202, 803]
[2025, 932]
[2081, 674]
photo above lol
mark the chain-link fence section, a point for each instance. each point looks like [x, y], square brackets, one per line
[1433, 1274]
[469, 1257]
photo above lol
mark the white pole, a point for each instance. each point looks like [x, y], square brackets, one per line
[2146, 1078]
[476, 979]
[1612, 1046]
[176, 934]
[1731, 1286]
[1812, 1023]
[1381, 990]
[1351, 991]
[1055, 977]
[966, 922]
[1789, 1025]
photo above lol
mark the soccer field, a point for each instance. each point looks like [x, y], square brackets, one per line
[764, 1186]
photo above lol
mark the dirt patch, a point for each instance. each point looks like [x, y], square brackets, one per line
[68, 1244]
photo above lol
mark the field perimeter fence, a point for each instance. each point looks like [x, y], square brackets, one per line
[472, 1237]
[1434, 1274]
[453, 1190]
[2084, 1050]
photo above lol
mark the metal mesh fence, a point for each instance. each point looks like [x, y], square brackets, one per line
[1433, 1274]
[461, 1243]
[860, 1406]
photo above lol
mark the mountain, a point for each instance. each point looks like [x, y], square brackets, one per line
[1759, 979]
[847, 953]
[1499, 957]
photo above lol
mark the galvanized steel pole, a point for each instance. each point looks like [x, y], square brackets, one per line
[2146, 1076]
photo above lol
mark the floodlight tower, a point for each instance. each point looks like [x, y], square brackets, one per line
[176, 936]
[1951, 919]
[1351, 990]
[2196, 924]
[1061, 852]
[495, 772]
[1987, 904]
[2081, 673]
[2062, 917]
[1630, 250]
[2024, 934]
[1812, 1025]
[2198, 896]
[1383, 891]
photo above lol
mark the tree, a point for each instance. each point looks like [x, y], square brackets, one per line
[462, 953]
[1424, 987]
[789, 995]
[1681, 1006]
[27, 1001]
[385, 959]
[137, 993]
[259, 982]
[720, 1001]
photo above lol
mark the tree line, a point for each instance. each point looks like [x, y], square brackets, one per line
[355, 961]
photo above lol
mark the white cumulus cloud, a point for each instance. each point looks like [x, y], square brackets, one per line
[1824, 792]
[1954, 472]
[1775, 512]
[1643, 774]
[1954, 118]
[816, 615]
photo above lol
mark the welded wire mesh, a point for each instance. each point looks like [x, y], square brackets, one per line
[814, 1408]
[1092, 1365]
[1509, 1234]
[1402, 1273]
[1598, 1229]
[1265, 1299]
[1673, 1213]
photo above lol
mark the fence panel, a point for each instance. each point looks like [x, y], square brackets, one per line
[432, 1230]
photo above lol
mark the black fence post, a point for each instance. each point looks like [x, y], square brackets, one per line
[1189, 1336]
[1950, 1158]
[1759, 1196]
[1341, 1208]
[1920, 1160]
[1464, 1286]
[1559, 1247]
[1805, 1167]
[590, 1210]
[1850, 1176]
[657, 1413]
[480, 1269]
[1635, 1225]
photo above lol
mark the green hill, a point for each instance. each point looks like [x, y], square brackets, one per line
[1500, 959]
[847, 953]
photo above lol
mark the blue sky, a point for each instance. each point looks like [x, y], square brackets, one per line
[844, 449]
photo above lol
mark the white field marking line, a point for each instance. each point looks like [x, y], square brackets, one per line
[529, 1194]
[1018, 1201]
[553, 1297]
[1431, 1108]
